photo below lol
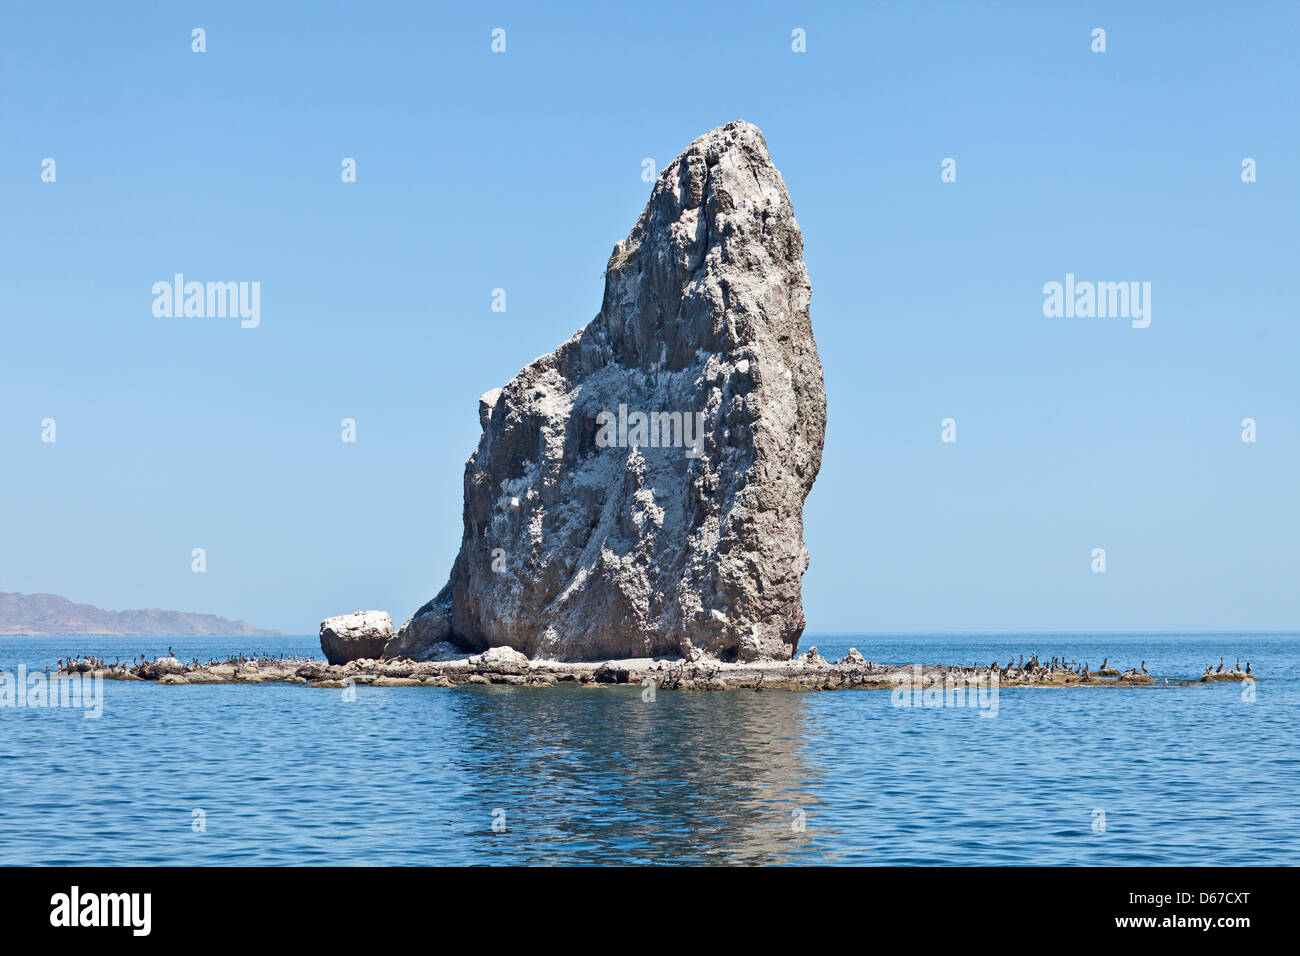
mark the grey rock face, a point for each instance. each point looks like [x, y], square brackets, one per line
[501, 660]
[639, 491]
[350, 637]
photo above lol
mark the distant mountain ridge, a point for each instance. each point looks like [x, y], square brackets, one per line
[40, 614]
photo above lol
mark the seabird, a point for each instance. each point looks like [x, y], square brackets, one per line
[1144, 667]
[1247, 667]
[1219, 669]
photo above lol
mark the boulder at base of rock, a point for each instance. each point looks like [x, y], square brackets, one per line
[611, 673]
[350, 637]
[501, 660]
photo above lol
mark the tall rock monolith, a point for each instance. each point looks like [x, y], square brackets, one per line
[639, 491]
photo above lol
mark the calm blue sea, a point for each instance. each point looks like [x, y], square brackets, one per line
[283, 774]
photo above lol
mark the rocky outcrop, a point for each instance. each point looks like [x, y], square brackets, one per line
[639, 491]
[506, 666]
[160, 667]
[1134, 676]
[350, 637]
[1228, 675]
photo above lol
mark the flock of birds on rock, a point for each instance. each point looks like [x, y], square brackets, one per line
[1219, 669]
[1034, 669]
[71, 665]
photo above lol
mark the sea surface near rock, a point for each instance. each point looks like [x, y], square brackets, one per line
[639, 491]
[602, 774]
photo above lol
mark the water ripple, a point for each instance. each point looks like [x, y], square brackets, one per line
[498, 775]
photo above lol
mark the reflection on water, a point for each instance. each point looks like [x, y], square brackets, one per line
[600, 773]
[287, 774]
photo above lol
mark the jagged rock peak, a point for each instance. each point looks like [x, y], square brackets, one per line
[639, 491]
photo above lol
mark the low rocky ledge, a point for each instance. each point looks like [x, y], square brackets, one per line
[504, 665]
[1233, 675]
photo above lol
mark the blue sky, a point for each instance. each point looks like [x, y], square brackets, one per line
[520, 170]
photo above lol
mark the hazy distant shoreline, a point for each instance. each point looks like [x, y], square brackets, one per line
[51, 615]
